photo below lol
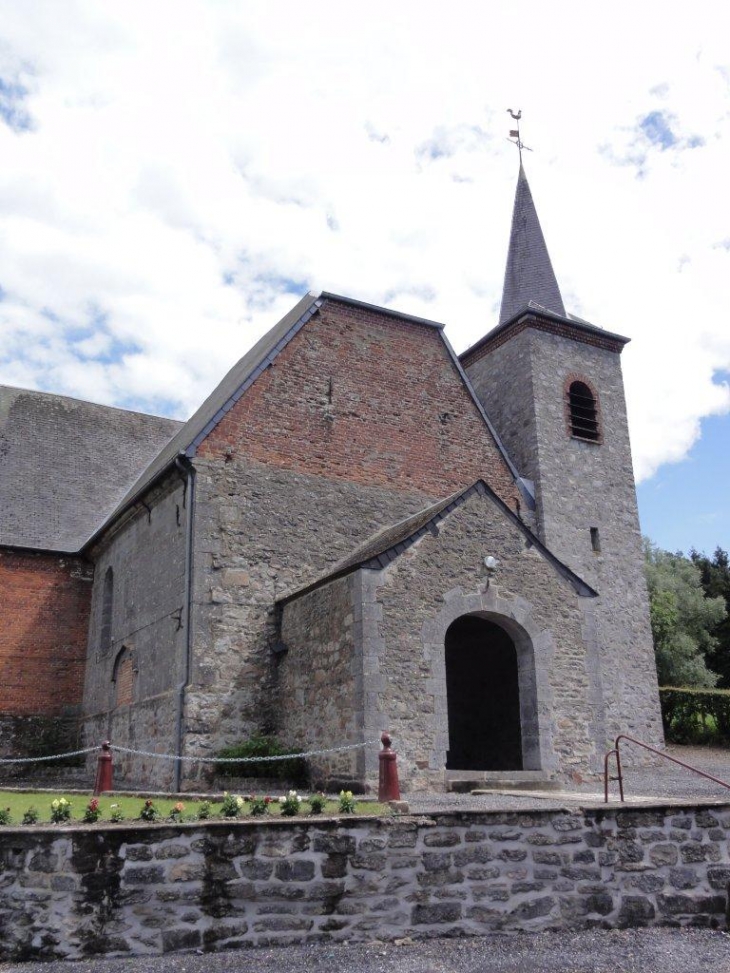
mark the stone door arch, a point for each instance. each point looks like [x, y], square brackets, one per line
[533, 648]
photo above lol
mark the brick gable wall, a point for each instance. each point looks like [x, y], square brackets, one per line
[369, 398]
[44, 606]
[44, 611]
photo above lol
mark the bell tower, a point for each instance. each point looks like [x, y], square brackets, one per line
[552, 386]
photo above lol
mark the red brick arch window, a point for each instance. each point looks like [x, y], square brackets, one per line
[582, 410]
[123, 677]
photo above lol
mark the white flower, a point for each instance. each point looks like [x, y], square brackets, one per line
[281, 800]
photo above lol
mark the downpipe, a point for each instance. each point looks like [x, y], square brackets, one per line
[187, 472]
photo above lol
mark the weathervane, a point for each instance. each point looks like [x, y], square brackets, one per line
[514, 135]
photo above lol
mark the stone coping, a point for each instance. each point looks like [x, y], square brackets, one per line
[423, 818]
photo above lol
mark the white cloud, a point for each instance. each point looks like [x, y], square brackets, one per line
[191, 165]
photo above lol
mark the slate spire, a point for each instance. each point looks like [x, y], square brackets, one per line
[529, 275]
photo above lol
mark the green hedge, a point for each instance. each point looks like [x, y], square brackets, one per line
[294, 770]
[696, 715]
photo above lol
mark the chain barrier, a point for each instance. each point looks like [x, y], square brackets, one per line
[55, 756]
[203, 760]
[243, 760]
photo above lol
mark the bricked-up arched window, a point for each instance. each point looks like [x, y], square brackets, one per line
[123, 677]
[107, 607]
[583, 412]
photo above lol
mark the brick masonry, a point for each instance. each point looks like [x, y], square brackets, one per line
[75, 892]
[44, 606]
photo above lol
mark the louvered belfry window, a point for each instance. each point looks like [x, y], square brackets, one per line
[583, 412]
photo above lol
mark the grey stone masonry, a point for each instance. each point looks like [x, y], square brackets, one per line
[441, 578]
[366, 652]
[320, 682]
[76, 892]
[259, 533]
[147, 621]
[586, 499]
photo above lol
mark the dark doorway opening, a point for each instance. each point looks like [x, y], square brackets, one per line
[483, 697]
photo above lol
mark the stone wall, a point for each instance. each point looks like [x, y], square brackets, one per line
[320, 681]
[362, 420]
[582, 485]
[146, 553]
[76, 892]
[44, 607]
[412, 602]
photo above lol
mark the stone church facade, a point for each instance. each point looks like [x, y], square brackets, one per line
[357, 531]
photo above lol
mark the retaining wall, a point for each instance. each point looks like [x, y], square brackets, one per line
[80, 891]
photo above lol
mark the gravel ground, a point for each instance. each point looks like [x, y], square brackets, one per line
[663, 782]
[611, 951]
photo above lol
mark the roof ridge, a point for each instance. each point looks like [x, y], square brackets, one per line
[99, 405]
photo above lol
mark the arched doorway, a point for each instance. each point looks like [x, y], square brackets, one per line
[483, 696]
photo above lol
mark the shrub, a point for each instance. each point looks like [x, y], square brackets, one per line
[149, 812]
[317, 803]
[91, 811]
[176, 813]
[5, 816]
[290, 804]
[294, 770]
[116, 814]
[60, 810]
[259, 805]
[31, 815]
[696, 715]
[231, 806]
[205, 810]
[347, 802]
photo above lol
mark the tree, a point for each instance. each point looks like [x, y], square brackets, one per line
[715, 574]
[682, 618]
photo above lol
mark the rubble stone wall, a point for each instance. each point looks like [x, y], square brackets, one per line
[77, 892]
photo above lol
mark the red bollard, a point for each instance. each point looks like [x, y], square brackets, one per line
[388, 787]
[103, 770]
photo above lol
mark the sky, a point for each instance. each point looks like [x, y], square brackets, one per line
[175, 175]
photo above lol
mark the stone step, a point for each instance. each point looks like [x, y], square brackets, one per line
[487, 781]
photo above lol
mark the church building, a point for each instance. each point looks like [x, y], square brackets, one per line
[357, 531]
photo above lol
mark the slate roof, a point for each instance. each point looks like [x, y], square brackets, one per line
[64, 465]
[529, 276]
[390, 542]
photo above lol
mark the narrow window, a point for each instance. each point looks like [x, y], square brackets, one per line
[107, 607]
[123, 678]
[583, 412]
[595, 540]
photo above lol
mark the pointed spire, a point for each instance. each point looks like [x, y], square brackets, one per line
[529, 276]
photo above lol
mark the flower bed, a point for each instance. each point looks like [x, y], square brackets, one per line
[29, 808]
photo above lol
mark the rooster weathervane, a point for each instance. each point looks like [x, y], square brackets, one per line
[514, 135]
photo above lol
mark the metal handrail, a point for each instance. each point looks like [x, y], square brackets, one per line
[660, 753]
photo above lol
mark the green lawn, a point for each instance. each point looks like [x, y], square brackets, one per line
[18, 803]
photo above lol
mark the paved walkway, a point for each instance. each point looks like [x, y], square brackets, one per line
[595, 951]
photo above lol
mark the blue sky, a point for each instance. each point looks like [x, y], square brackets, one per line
[175, 175]
[685, 504]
